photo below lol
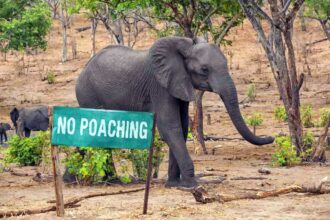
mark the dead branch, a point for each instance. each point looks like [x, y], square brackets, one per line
[249, 178]
[19, 174]
[202, 196]
[216, 138]
[71, 203]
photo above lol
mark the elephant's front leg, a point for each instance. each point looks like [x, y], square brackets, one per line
[173, 167]
[171, 130]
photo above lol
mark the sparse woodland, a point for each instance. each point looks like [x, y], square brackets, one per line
[278, 54]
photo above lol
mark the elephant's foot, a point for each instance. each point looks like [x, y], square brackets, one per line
[188, 182]
[172, 183]
[184, 183]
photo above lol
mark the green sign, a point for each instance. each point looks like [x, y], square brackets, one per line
[101, 128]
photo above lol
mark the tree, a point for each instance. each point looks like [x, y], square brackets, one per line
[24, 25]
[281, 56]
[319, 10]
[54, 5]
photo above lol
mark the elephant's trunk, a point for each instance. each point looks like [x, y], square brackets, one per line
[228, 94]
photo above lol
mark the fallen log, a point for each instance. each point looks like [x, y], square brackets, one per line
[71, 203]
[248, 178]
[202, 196]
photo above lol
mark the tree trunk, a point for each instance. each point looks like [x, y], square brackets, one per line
[302, 18]
[73, 42]
[64, 35]
[93, 35]
[318, 154]
[282, 64]
[197, 126]
[325, 28]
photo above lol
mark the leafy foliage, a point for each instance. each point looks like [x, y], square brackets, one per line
[255, 119]
[28, 151]
[324, 116]
[285, 152]
[50, 77]
[90, 166]
[93, 165]
[24, 24]
[306, 115]
[251, 93]
[319, 9]
[280, 114]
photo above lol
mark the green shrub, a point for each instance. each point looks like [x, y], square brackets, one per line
[285, 152]
[251, 93]
[51, 77]
[280, 114]
[306, 113]
[90, 167]
[28, 151]
[324, 116]
[96, 163]
[254, 120]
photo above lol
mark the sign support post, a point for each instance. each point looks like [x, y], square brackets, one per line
[151, 151]
[56, 170]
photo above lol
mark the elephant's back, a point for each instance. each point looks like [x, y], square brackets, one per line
[108, 75]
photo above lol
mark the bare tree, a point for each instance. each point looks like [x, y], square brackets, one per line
[281, 56]
[54, 5]
[65, 20]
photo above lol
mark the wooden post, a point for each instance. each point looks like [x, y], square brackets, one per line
[56, 170]
[146, 194]
[208, 116]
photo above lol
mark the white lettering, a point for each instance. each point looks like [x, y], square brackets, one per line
[83, 125]
[71, 125]
[102, 129]
[61, 125]
[110, 132]
[120, 129]
[92, 127]
[143, 130]
[134, 130]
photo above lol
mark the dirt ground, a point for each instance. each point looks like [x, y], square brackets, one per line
[232, 158]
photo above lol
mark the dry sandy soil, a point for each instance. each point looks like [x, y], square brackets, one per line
[232, 158]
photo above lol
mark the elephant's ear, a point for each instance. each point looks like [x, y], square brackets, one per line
[167, 62]
[14, 114]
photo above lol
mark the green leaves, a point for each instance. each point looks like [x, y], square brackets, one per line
[27, 151]
[26, 28]
[319, 9]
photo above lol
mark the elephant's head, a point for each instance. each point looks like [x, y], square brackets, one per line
[181, 64]
[14, 115]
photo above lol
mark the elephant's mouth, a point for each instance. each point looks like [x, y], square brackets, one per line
[205, 86]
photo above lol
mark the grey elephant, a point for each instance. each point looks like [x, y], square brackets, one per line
[162, 80]
[4, 127]
[30, 119]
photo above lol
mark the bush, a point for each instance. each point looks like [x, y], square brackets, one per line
[89, 165]
[254, 120]
[50, 77]
[28, 151]
[280, 114]
[306, 115]
[96, 163]
[285, 152]
[324, 116]
[251, 93]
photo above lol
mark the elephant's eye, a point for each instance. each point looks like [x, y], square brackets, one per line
[204, 71]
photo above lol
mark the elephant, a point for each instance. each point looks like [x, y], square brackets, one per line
[30, 119]
[162, 80]
[4, 127]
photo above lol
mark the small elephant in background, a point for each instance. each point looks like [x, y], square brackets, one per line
[30, 119]
[4, 127]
